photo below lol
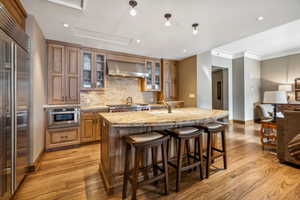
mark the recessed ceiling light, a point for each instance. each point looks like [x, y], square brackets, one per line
[132, 10]
[168, 16]
[138, 41]
[66, 25]
[260, 18]
[184, 50]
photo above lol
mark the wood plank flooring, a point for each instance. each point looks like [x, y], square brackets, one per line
[253, 174]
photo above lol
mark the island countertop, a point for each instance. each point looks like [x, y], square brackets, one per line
[161, 117]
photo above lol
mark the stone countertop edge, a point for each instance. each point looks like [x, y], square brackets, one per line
[169, 123]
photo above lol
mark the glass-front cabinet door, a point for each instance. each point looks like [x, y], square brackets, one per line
[149, 78]
[87, 81]
[153, 81]
[157, 76]
[100, 71]
[93, 70]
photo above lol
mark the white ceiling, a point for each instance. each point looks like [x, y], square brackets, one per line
[279, 41]
[106, 23]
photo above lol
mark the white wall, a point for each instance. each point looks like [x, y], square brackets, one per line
[205, 61]
[238, 89]
[204, 83]
[246, 87]
[38, 61]
[252, 86]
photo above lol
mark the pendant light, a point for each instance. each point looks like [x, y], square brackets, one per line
[195, 28]
[168, 16]
[132, 10]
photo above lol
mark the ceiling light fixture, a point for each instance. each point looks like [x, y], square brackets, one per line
[184, 50]
[195, 28]
[260, 18]
[138, 41]
[168, 16]
[132, 10]
[66, 25]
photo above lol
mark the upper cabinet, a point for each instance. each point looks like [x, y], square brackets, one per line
[153, 81]
[169, 74]
[93, 70]
[63, 74]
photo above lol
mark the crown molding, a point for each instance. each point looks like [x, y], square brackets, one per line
[221, 54]
[282, 54]
[246, 55]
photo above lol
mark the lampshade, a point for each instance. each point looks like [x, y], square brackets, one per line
[286, 88]
[275, 97]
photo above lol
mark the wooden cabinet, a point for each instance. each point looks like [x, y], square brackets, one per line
[63, 74]
[169, 83]
[153, 81]
[16, 10]
[62, 137]
[93, 70]
[90, 130]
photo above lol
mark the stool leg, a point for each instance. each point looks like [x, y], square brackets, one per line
[143, 161]
[208, 155]
[179, 164]
[126, 171]
[187, 145]
[168, 148]
[212, 151]
[165, 166]
[196, 152]
[200, 150]
[135, 173]
[154, 161]
[224, 149]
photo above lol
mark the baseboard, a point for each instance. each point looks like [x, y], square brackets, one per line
[36, 164]
[249, 122]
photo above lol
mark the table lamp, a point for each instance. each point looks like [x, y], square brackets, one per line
[275, 97]
[286, 88]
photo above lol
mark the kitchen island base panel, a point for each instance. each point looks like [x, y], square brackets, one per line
[112, 146]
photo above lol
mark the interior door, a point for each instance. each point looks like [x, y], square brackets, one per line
[5, 116]
[22, 114]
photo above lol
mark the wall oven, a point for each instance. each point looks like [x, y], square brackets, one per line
[63, 117]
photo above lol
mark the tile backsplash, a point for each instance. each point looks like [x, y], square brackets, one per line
[117, 91]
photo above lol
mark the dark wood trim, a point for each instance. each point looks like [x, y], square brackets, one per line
[36, 164]
[17, 11]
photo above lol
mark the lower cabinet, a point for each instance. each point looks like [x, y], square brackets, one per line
[62, 137]
[89, 124]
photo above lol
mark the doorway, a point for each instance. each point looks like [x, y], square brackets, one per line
[219, 88]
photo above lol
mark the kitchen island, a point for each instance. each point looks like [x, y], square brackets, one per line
[114, 126]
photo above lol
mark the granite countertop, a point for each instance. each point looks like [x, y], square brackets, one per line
[161, 117]
[93, 108]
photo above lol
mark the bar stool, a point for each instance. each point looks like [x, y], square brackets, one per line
[142, 143]
[183, 136]
[211, 129]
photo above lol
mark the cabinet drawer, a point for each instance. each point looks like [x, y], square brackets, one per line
[67, 136]
[62, 137]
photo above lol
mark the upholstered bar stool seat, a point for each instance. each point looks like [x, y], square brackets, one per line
[142, 143]
[182, 136]
[185, 130]
[146, 137]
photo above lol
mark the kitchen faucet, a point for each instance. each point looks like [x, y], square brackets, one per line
[129, 101]
[168, 106]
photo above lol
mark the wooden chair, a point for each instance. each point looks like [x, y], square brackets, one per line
[142, 143]
[211, 129]
[183, 136]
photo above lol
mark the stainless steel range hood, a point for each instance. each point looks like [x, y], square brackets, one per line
[126, 69]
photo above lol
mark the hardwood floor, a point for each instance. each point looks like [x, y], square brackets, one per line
[252, 174]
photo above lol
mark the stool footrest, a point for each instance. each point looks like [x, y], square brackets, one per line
[218, 150]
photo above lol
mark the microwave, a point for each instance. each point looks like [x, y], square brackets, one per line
[63, 117]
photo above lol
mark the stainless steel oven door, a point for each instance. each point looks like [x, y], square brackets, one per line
[63, 119]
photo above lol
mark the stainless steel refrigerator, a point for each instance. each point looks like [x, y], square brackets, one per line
[14, 104]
